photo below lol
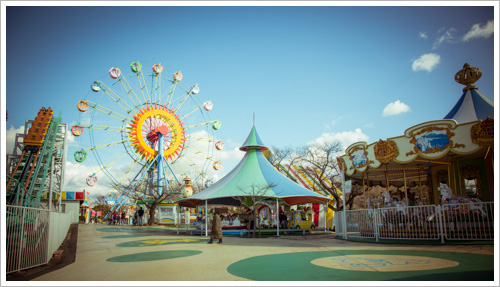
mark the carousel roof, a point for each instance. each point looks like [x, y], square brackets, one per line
[254, 175]
[471, 106]
[466, 133]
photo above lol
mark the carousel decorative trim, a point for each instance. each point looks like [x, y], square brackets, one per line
[359, 159]
[431, 140]
[482, 133]
[386, 151]
[468, 76]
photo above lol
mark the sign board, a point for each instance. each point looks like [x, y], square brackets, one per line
[347, 186]
[187, 217]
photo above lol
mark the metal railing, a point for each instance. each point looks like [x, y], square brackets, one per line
[30, 241]
[471, 221]
[464, 221]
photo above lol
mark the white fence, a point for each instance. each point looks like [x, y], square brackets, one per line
[32, 235]
[464, 221]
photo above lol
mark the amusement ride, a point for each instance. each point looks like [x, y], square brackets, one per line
[148, 131]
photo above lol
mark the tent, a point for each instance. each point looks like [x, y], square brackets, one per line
[254, 175]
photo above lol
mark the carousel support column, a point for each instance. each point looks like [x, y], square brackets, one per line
[406, 192]
[206, 217]
[277, 218]
[420, 185]
[449, 176]
[363, 188]
[386, 179]
[460, 182]
[368, 201]
[452, 184]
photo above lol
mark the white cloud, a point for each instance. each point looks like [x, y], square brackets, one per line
[423, 35]
[369, 125]
[478, 31]
[446, 37]
[333, 123]
[426, 62]
[395, 108]
[10, 139]
[346, 138]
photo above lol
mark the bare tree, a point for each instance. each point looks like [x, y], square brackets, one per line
[149, 194]
[284, 156]
[256, 195]
[322, 158]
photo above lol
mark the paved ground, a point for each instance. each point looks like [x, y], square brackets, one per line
[127, 253]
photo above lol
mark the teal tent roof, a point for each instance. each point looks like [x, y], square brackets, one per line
[252, 176]
[253, 141]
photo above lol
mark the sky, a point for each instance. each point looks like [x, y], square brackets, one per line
[308, 73]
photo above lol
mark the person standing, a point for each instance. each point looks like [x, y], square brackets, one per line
[139, 217]
[123, 218]
[216, 232]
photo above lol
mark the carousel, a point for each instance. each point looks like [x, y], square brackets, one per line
[437, 161]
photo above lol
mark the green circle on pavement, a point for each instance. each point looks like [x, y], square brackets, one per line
[154, 256]
[314, 266]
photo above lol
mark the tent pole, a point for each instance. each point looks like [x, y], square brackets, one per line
[178, 218]
[277, 218]
[206, 217]
[326, 215]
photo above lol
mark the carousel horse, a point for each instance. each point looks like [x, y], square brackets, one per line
[463, 204]
[399, 206]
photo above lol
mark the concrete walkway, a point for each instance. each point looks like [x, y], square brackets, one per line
[129, 253]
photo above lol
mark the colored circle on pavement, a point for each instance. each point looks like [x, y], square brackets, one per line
[383, 263]
[156, 242]
[153, 256]
[313, 266]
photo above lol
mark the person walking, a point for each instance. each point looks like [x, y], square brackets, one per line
[139, 217]
[216, 231]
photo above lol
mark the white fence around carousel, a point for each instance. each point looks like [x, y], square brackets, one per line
[32, 235]
[463, 221]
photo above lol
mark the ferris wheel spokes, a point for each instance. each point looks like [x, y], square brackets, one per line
[104, 128]
[129, 89]
[106, 111]
[119, 100]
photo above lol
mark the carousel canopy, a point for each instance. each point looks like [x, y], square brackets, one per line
[254, 175]
[466, 133]
[471, 106]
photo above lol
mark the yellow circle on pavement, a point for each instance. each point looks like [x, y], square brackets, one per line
[384, 263]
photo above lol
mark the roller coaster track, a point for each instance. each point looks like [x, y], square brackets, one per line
[25, 184]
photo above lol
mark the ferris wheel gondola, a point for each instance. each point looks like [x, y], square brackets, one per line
[142, 123]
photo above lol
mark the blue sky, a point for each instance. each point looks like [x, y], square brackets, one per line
[308, 73]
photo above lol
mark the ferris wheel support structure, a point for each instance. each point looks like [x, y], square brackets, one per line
[148, 170]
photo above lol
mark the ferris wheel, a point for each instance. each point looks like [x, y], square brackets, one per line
[146, 126]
